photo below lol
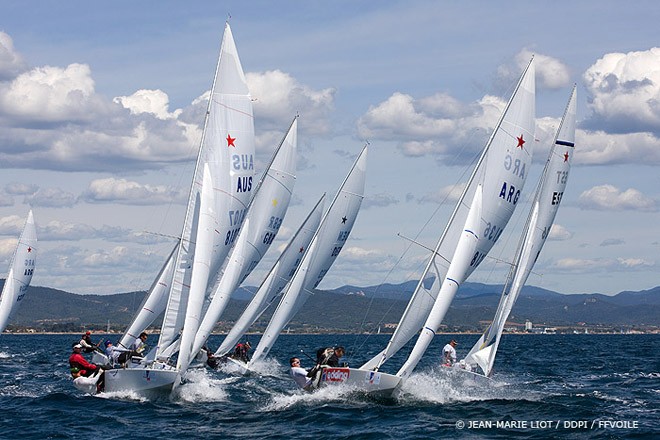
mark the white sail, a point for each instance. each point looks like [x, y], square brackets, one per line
[500, 176]
[326, 244]
[263, 220]
[227, 147]
[542, 215]
[277, 278]
[201, 267]
[20, 272]
[154, 303]
[500, 171]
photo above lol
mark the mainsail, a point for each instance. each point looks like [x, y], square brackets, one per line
[326, 245]
[227, 151]
[546, 202]
[263, 219]
[20, 272]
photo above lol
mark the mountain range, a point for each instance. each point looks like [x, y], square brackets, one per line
[358, 309]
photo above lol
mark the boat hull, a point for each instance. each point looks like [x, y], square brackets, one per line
[372, 382]
[140, 380]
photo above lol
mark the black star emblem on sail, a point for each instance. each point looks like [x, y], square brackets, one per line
[343, 220]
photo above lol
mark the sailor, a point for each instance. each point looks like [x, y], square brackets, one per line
[299, 374]
[87, 344]
[329, 356]
[79, 365]
[139, 345]
[211, 360]
[111, 352]
[449, 354]
[241, 352]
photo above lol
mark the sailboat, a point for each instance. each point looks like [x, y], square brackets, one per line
[220, 192]
[495, 187]
[21, 269]
[325, 246]
[262, 222]
[277, 278]
[544, 208]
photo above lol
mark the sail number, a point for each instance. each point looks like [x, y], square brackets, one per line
[269, 237]
[275, 223]
[336, 251]
[562, 176]
[343, 235]
[231, 236]
[556, 197]
[29, 267]
[492, 232]
[477, 258]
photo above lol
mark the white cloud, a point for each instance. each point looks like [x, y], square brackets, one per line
[612, 242]
[127, 192]
[551, 73]
[21, 189]
[379, 200]
[51, 94]
[56, 230]
[155, 102]
[11, 225]
[53, 118]
[7, 249]
[423, 130]
[624, 91]
[601, 265]
[51, 198]
[611, 198]
[559, 233]
[279, 97]
[602, 148]
[11, 62]
[447, 194]
[634, 263]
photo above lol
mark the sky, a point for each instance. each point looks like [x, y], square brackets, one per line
[101, 107]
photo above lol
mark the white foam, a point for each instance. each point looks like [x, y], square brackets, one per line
[200, 386]
[446, 386]
[321, 396]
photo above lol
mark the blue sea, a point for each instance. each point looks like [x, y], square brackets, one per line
[544, 386]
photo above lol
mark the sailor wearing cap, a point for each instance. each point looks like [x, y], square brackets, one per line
[449, 354]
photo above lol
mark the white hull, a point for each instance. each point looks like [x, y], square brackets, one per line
[234, 365]
[371, 382]
[140, 380]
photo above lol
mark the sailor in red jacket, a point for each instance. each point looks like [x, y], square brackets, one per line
[79, 365]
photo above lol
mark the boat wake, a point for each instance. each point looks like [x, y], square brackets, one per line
[202, 386]
[283, 401]
[446, 386]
